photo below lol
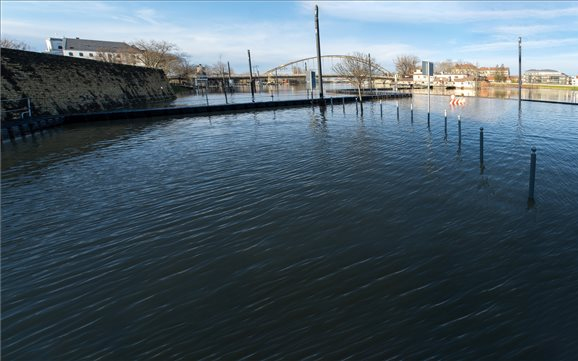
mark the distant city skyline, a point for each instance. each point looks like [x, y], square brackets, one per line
[483, 33]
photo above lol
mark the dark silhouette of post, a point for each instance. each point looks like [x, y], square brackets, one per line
[446, 123]
[229, 79]
[460, 129]
[370, 80]
[482, 148]
[318, 52]
[532, 175]
[224, 87]
[519, 70]
[251, 77]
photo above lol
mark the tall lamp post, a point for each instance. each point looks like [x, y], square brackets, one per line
[251, 77]
[520, 70]
[427, 68]
[318, 52]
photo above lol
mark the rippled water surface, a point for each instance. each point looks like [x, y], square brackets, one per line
[295, 234]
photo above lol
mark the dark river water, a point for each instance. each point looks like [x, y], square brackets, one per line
[295, 234]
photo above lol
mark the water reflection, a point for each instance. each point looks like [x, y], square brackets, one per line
[295, 232]
[559, 95]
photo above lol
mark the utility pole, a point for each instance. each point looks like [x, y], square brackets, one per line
[318, 53]
[229, 70]
[370, 80]
[251, 77]
[222, 66]
[520, 71]
[427, 67]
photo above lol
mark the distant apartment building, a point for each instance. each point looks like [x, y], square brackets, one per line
[464, 69]
[545, 76]
[437, 79]
[499, 73]
[107, 51]
[575, 81]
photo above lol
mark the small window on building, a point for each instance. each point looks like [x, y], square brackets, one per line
[80, 54]
[59, 46]
[70, 53]
[90, 54]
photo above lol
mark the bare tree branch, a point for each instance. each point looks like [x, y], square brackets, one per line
[13, 44]
[156, 54]
[405, 65]
[355, 68]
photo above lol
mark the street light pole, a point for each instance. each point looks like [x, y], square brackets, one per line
[370, 79]
[520, 70]
[318, 52]
[251, 77]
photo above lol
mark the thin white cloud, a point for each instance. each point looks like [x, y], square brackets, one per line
[148, 15]
[64, 8]
[526, 30]
[435, 12]
[509, 45]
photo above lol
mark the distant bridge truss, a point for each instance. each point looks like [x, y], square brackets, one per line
[327, 62]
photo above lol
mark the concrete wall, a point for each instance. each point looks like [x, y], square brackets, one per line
[64, 85]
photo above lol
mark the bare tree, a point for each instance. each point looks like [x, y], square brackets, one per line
[13, 44]
[405, 65]
[296, 70]
[156, 54]
[356, 69]
[218, 68]
[500, 76]
[445, 66]
[182, 69]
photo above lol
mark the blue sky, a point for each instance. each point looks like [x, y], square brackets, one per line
[277, 32]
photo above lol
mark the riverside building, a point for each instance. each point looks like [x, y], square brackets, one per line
[108, 51]
[546, 76]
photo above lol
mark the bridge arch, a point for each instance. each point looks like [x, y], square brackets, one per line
[375, 66]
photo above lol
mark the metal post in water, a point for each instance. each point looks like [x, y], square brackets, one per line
[229, 78]
[428, 91]
[343, 103]
[332, 104]
[460, 129]
[411, 110]
[223, 82]
[381, 108]
[29, 109]
[481, 147]
[446, 122]
[318, 53]
[251, 77]
[277, 81]
[370, 79]
[532, 174]
[397, 105]
[519, 71]
[356, 109]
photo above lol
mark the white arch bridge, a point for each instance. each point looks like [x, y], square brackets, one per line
[300, 67]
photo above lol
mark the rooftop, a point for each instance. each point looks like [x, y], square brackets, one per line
[94, 45]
